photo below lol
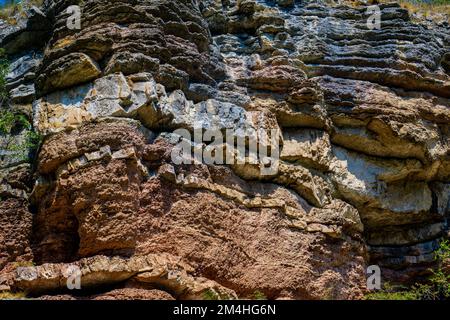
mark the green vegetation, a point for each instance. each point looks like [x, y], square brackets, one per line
[391, 292]
[425, 8]
[4, 68]
[436, 288]
[210, 295]
[429, 2]
[12, 124]
[258, 295]
[12, 10]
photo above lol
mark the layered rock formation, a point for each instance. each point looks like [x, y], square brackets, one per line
[364, 164]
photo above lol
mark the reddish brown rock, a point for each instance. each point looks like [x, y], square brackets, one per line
[362, 117]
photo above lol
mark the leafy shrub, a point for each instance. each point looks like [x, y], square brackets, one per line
[7, 120]
[437, 287]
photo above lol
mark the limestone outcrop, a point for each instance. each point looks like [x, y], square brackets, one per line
[362, 122]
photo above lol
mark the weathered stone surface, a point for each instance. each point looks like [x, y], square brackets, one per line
[68, 71]
[159, 270]
[114, 210]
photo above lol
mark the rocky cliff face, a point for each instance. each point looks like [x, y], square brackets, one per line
[364, 171]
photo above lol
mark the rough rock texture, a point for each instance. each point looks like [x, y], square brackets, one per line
[364, 172]
[150, 270]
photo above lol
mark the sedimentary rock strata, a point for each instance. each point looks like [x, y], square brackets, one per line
[363, 120]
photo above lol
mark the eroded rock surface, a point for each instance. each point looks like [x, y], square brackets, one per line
[364, 172]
